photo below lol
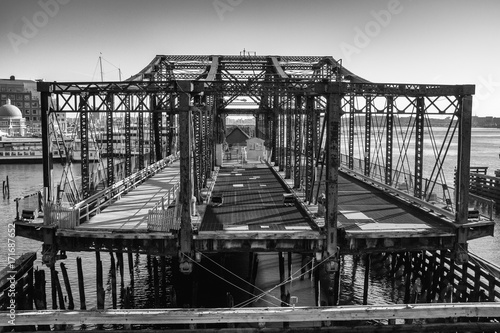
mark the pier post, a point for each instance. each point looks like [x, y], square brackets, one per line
[186, 177]
[71, 304]
[156, 283]
[112, 269]
[367, 278]
[119, 266]
[99, 283]
[163, 274]
[53, 287]
[131, 267]
[281, 260]
[81, 284]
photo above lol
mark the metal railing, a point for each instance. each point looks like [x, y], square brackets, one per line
[439, 194]
[165, 216]
[70, 217]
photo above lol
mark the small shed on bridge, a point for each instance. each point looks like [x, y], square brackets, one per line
[256, 149]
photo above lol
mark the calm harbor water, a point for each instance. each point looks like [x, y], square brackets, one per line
[27, 179]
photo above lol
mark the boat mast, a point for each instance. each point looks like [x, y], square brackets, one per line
[100, 65]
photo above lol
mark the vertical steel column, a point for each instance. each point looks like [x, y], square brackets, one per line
[110, 146]
[44, 89]
[389, 140]
[140, 135]
[156, 135]
[186, 178]
[128, 138]
[275, 138]
[157, 125]
[195, 148]
[332, 165]
[298, 141]
[172, 130]
[282, 140]
[257, 125]
[352, 132]
[84, 144]
[210, 137]
[168, 132]
[463, 163]
[310, 137]
[288, 135]
[151, 135]
[419, 146]
[368, 135]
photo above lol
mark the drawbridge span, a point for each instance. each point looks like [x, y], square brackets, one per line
[333, 140]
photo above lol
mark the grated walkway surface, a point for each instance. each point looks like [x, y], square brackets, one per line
[252, 200]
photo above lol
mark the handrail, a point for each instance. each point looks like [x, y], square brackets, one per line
[163, 216]
[93, 204]
[70, 217]
[487, 202]
[405, 196]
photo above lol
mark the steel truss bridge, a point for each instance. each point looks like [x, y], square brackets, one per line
[315, 116]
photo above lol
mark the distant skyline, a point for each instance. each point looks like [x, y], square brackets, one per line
[394, 41]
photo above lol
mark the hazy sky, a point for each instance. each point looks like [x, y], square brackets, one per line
[401, 41]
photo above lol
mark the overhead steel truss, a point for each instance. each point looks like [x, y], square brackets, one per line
[299, 103]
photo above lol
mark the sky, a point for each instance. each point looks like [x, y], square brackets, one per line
[386, 41]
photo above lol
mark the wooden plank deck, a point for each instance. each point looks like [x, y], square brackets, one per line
[129, 214]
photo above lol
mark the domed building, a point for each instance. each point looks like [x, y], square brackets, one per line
[11, 120]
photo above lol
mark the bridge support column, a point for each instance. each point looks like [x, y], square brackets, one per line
[332, 151]
[463, 177]
[44, 89]
[186, 178]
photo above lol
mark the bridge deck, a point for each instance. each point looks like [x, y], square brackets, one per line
[253, 216]
[369, 212]
[252, 203]
[370, 219]
[129, 214]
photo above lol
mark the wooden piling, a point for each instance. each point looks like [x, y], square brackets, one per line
[99, 283]
[407, 275]
[156, 283]
[71, 304]
[281, 260]
[229, 304]
[113, 280]
[131, 268]
[40, 297]
[119, 264]
[81, 284]
[30, 289]
[53, 287]
[60, 296]
[163, 269]
[435, 277]
[289, 261]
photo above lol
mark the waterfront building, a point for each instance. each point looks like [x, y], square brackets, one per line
[11, 120]
[24, 95]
